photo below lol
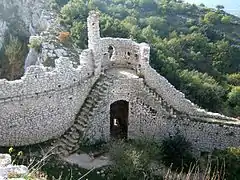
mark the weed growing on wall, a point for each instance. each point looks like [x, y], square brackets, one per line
[35, 43]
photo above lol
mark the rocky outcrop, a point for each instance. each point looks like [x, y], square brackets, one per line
[24, 18]
[10, 171]
[3, 29]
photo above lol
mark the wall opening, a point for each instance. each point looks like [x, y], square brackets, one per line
[119, 119]
[110, 52]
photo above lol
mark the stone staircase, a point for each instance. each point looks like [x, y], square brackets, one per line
[69, 141]
[172, 111]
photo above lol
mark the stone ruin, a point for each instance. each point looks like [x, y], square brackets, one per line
[71, 103]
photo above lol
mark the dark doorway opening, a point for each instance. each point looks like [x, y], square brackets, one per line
[119, 119]
[110, 52]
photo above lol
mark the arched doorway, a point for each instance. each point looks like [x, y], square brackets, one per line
[110, 52]
[119, 119]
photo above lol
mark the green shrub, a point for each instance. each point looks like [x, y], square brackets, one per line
[35, 43]
[226, 19]
[151, 147]
[234, 100]
[231, 158]
[129, 161]
[176, 152]
[211, 18]
[234, 79]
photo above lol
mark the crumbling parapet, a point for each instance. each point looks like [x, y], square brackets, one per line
[144, 59]
[93, 29]
[94, 39]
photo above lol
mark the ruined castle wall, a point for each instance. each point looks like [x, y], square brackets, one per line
[99, 125]
[174, 97]
[152, 122]
[148, 118]
[167, 91]
[125, 52]
[42, 105]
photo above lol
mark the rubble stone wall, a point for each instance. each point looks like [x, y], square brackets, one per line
[149, 119]
[42, 105]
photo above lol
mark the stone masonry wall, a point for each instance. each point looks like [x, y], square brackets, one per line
[42, 105]
[148, 118]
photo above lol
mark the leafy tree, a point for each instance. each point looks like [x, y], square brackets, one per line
[13, 52]
[234, 100]
[202, 89]
[234, 79]
[226, 19]
[220, 7]
[221, 55]
[234, 96]
[230, 157]
[79, 34]
[211, 18]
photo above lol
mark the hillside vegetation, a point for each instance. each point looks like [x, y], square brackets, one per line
[194, 47]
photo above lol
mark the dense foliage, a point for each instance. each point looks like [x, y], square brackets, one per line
[195, 48]
[231, 158]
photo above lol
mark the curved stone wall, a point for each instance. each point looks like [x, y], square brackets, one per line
[42, 105]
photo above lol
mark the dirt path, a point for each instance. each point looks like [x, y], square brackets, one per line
[86, 162]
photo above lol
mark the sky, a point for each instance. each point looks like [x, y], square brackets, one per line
[231, 6]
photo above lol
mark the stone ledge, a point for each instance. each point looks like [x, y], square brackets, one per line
[10, 171]
[214, 121]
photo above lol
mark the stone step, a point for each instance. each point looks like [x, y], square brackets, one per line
[71, 138]
[69, 148]
[63, 151]
[107, 84]
[93, 99]
[82, 119]
[67, 143]
[72, 130]
[96, 91]
[91, 113]
[75, 134]
[89, 101]
[101, 88]
[95, 108]
[88, 105]
[79, 127]
[84, 109]
[83, 124]
[83, 113]
[96, 97]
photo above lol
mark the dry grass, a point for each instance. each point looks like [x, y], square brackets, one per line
[197, 173]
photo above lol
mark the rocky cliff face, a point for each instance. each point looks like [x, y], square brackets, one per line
[34, 19]
[27, 16]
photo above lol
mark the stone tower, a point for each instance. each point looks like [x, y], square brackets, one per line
[94, 39]
[93, 29]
